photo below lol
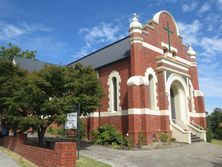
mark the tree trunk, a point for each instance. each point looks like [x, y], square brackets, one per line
[41, 134]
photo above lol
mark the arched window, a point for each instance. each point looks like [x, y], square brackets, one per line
[114, 94]
[151, 92]
[151, 77]
[114, 91]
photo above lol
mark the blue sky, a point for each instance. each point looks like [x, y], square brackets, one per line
[63, 31]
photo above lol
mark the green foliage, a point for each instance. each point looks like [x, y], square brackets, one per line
[108, 135]
[56, 131]
[8, 53]
[141, 139]
[130, 142]
[209, 135]
[40, 98]
[164, 137]
[214, 123]
[172, 140]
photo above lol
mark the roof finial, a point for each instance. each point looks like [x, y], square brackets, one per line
[135, 24]
[190, 50]
[135, 17]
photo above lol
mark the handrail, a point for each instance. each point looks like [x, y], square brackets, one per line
[197, 126]
[185, 128]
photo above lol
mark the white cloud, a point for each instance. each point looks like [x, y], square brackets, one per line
[101, 34]
[212, 46]
[189, 32]
[188, 8]
[205, 7]
[11, 31]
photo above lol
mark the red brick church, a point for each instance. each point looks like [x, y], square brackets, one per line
[150, 83]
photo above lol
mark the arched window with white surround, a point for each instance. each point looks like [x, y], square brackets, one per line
[151, 77]
[114, 91]
[151, 91]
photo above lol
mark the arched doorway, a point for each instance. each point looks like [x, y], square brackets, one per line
[178, 102]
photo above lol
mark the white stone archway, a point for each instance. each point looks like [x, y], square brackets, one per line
[177, 87]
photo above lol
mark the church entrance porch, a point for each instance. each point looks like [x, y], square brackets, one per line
[178, 102]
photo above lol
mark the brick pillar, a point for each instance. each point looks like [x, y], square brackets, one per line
[66, 154]
[135, 82]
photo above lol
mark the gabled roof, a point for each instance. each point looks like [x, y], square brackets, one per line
[111, 53]
[29, 64]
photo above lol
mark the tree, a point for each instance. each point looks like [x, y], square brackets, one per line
[48, 95]
[11, 80]
[215, 122]
[9, 52]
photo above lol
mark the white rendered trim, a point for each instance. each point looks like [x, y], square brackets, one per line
[153, 48]
[172, 70]
[172, 64]
[137, 80]
[109, 83]
[136, 41]
[164, 45]
[170, 81]
[198, 93]
[150, 71]
[156, 18]
[135, 31]
[197, 114]
[131, 111]
[191, 96]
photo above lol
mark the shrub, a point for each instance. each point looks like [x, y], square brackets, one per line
[108, 135]
[141, 139]
[164, 137]
[172, 139]
[130, 142]
[209, 135]
[56, 131]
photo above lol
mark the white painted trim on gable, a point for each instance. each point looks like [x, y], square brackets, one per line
[153, 48]
[156, 18]
[150, 71]
[172, 64]
[198, 93]
[137, 80]
[109, 83]
[163, 44]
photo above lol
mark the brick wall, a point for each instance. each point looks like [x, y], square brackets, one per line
[64, 154]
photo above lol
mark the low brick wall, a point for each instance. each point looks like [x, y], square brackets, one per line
[64, 154]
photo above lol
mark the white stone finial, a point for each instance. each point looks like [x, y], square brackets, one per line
[191, 52]
[135, 24]
[135, 17]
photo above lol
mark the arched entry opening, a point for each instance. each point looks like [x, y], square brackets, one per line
[178, 102]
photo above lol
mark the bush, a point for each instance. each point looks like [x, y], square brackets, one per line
[209, 135]
[141, 139]
[172, 139]
[56, 131]
[164, 137]
[108, 135]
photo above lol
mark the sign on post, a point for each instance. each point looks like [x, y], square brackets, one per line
[71, 122]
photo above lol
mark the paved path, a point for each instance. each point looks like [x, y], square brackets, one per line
[6, 161]
[199, 154]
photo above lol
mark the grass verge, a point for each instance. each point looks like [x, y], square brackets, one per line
[218, 142]
[19, 159]
[88, 162]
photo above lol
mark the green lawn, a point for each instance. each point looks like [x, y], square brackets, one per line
[218, 142]
[87, 162]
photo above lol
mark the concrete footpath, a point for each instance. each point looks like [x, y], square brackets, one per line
[191, 155]
[6, 161]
